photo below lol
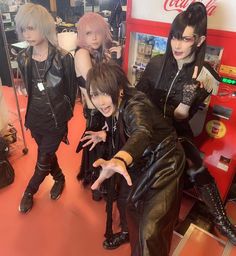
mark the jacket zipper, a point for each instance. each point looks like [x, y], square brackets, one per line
[50, 105]
[167, 96]
[27, 86]
[68, 100]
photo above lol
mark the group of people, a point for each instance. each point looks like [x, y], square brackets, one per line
[132, 137]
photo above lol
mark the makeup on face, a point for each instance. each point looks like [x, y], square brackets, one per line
[94, 38]
[183, 47]
[103, 102]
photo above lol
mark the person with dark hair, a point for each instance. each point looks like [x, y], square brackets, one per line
[94, 46]
[144, 149]
[178, 83]
[49, 77]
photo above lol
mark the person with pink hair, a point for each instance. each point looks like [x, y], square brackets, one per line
[95, 45]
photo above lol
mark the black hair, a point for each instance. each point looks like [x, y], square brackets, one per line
[107, 78]
[194, 16]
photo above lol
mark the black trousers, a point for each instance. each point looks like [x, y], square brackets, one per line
[123, 192]
[47, 163]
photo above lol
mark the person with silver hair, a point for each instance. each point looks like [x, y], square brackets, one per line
[49, 77]
[94, 46]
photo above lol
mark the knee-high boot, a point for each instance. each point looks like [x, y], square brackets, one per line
[206, 186]
[211, 197]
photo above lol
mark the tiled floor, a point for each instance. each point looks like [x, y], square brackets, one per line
[71, 226]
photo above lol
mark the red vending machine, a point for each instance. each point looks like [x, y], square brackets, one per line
[214, 126]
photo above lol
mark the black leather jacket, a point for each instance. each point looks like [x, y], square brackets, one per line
[168, 92]
[143, 124]
[60, 82]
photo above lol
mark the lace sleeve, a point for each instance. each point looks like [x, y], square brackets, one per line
[190, 92]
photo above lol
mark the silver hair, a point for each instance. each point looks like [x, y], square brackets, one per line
[38, 17]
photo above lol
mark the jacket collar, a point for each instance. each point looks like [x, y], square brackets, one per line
[190, 63]
[51, 54]
[28, 62]
[51, 51]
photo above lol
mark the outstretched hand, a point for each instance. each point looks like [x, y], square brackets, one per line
[109, 168]
[93, 138]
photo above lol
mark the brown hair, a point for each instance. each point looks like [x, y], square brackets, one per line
[107, 78]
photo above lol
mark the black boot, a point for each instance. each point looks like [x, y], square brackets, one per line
[59, 178]
[26, 203]
[116, 240]
[57, 189]
[211, 197]
[42, 169]
[96, 195]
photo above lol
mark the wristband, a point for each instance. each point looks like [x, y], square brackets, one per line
[122, 160]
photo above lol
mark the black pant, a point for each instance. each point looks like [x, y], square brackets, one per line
[123, 192]
[47, 160]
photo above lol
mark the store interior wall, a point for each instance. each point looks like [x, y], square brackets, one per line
[68, 11]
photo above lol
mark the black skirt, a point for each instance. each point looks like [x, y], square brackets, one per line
[94, 122]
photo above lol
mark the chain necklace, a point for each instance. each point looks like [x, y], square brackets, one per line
[113, 129]
[40, 77]
[40, 56]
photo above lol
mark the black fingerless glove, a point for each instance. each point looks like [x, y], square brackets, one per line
[190, 92]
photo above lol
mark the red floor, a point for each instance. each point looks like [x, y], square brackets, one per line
[73, 225]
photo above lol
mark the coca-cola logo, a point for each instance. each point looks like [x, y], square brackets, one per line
[181, 5]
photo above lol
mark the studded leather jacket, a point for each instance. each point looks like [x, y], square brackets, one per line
[59, 82]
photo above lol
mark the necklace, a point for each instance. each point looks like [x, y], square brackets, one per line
[40, 57]
[114, 123]
[40, 76]
[113, 130]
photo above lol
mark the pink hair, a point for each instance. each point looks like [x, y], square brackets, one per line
[96, 22]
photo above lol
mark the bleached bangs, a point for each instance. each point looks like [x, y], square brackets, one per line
[39, 18]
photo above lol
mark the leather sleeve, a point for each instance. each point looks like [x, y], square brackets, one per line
[137, 119]
[69, 77]
[148, 80]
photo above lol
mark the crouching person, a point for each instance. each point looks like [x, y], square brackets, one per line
[145, 151]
